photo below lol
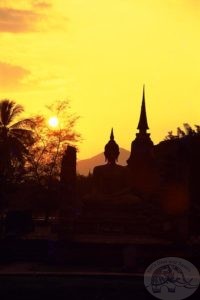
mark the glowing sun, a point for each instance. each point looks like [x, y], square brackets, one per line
[53, 122]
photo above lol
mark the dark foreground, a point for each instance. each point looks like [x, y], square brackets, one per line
[75, 286]
[30, 270]
[66, 286]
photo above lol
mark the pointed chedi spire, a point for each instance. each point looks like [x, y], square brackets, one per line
[112, 135]
[142, 146]
[143, 125]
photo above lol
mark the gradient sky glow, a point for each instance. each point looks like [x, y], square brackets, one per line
[99, 54]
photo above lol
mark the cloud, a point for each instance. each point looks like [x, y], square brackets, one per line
[29, 16]
[16, 20]
[11, 76]
[41, 4]
[23, 16]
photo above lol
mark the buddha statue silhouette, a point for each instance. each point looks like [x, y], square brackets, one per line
[111, 178]
[112, 181]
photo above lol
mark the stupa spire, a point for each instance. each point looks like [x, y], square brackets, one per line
[112, 135]
[143, 125]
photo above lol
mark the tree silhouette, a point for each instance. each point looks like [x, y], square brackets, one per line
[188, 131]
[15, 139]
[179, 156]
[46, 153]
[44, 164]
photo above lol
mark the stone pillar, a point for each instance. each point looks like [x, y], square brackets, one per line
[68, 188]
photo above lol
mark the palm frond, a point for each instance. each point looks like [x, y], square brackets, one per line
[5, 108]
[24, 135]
[9, 110]
[25, 122]
[16, 110]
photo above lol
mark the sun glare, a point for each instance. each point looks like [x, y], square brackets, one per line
[53, 122]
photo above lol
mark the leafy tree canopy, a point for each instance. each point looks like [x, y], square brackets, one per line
[187, 131]
[46, 153]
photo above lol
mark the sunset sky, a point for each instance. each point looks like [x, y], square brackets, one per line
[98, 54]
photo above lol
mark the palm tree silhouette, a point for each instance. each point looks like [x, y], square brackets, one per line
[14, 138]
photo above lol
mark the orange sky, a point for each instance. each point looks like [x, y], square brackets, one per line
[98, 54]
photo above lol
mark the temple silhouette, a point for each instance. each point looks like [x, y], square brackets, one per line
[135, 199]
[118, 217]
